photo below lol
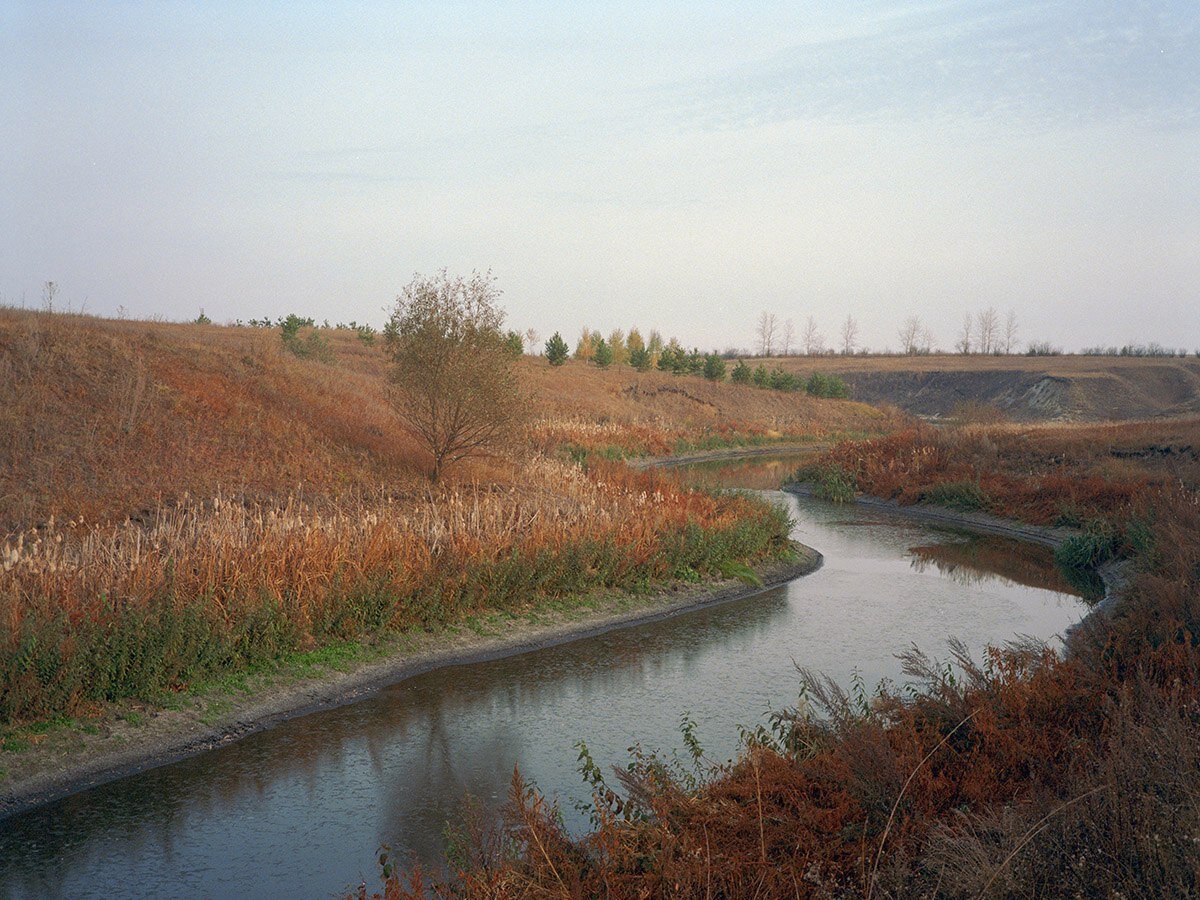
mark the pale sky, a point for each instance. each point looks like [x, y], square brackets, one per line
[681, 167]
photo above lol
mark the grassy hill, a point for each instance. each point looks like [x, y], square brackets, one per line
[106, 418]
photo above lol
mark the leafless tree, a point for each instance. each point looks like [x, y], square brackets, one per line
[849, 335]
[963, 344]
[910, 335]
[987, 331]
[531, 339]
[454, 379]
[926, 343]
[1010, 331]
[814, 343]
[789, 335]
[767, 325]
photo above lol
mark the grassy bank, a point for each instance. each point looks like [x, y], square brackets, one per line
[182, 501]
[104, 613]
[1026, 773]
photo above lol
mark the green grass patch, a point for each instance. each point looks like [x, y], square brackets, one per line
[962, 495]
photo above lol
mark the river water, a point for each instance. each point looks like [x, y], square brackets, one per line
[301, 809]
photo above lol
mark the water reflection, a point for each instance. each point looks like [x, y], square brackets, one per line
[969, 559]
[301, 809]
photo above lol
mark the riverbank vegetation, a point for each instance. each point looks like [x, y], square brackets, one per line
[1030, 772]
[186, 500]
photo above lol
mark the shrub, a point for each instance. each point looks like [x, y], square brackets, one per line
[741, 373]
[826, 386]
[312, 346]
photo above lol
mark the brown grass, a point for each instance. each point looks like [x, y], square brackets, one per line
[108, 419]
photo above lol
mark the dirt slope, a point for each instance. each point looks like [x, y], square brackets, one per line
[1066, 388]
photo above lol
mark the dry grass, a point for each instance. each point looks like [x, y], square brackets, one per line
[100, 612]
[109, 419]
[182, 500]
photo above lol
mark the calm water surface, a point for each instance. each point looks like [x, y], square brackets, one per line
[301, 809]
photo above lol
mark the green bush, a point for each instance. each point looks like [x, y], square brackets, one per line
[826, 386]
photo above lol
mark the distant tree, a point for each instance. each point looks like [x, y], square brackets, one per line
[760, 377]
[767, 325]
[557, 350]
[849, 335]
[714, 367]
[987, 331]
[910, 335]
[1010, 331]
[602, 354]
[814, 343]
[585, 347]
[639, 358]
[616, 343]
[673, 358]
[741, 373]
[963, 344]
[202, 319]
[654, 345]
[531, 339]
[789, 337]
[454, 379]
[514, 343]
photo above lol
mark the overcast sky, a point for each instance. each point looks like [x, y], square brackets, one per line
[683, 167]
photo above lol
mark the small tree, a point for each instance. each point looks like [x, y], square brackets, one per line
[602, 354]
[814, 343]
[963, 344]
[557, 350]
[514, 344]
[849, 335]
[714, 367]
[454, 378]
[639, 357]
[741, 373]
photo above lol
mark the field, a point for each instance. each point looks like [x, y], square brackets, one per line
[1021, 388]
[184, 500]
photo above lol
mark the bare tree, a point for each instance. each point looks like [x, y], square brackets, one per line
[531, 339]
[789, 335]
[1010, 331]
[963, 344]
[814, 343]
[987, 331]
[910, 335]
[454, 379]
[849, 335]
[767, 324]
[926, 340]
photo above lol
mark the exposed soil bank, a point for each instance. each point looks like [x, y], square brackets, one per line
[1113, 573]
[69, 762]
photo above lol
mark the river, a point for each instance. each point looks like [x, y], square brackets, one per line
[300, 809]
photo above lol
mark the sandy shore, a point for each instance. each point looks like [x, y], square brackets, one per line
[67, 760]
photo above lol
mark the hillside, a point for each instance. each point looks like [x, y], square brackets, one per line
[108, 419]
[1024, 388]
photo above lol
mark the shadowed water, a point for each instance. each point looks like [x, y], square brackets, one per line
[301, 809]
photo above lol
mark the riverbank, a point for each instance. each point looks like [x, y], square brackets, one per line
[71, 756]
